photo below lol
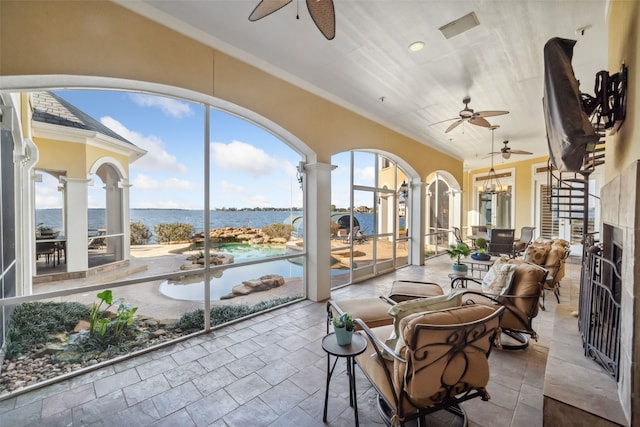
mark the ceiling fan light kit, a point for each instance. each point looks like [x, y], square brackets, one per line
[474, 117]
[507, 151]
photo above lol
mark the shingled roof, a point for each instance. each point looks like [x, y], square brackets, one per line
[50, 108]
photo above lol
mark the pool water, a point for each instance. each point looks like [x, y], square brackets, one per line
[194, 291]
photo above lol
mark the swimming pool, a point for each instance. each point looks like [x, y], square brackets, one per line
[192, 289]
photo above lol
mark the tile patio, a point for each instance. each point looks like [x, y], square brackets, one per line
[270, 370]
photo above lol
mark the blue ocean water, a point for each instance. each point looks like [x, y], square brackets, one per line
[218, 219]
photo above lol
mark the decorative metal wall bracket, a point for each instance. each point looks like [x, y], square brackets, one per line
[608, 109]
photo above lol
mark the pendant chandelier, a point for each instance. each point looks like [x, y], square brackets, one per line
[492, 183]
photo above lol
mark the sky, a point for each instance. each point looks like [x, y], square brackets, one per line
[249, 166]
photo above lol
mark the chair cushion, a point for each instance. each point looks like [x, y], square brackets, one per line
[526, 288]
[403, 309]
[520, 245]
[498, 278]
[536, 254]
[437, 359]
[404, 290]
[372, 311]
[372, 365]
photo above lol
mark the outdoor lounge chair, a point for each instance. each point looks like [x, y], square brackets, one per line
[457, 235]
[98, 241]
[521, 243]
[440, 361]
[520, 298]
[374, 311]
[501, 242]
[47, 250]
[552, 254]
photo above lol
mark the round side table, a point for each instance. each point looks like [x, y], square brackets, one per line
[330, 345]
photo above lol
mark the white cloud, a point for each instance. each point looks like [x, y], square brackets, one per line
[170, 107]
[157, 158]
[146, 183]
[179, 184]
[46, 193]
[228, 187]
[242, 157]
[365, 176]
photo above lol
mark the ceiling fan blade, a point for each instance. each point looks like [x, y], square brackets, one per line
[442, 121]
[479, 121]
[324, 16]
[491, 154]
[267, 7]
[453, 126]
[519, 152]
[490, 113]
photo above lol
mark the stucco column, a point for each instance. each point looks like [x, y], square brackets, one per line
[76, 207]
[25, 157]
[417, 203]
[318, 230]
[126, 217]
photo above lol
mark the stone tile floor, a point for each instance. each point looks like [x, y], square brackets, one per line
[270, 370]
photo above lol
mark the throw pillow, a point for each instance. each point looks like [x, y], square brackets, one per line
[498, 278]
[536, 254]
[419, 305]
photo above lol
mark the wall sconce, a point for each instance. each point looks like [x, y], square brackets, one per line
[403, 193]
[300, 173]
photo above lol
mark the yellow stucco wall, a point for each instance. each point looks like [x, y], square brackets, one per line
[74, 158]
[51, 157]
[624, 47]
[103, 39]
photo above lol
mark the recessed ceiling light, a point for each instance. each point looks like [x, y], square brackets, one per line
[416, 46]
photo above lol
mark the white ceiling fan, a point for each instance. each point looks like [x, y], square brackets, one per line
[507, 151]
[474, 117]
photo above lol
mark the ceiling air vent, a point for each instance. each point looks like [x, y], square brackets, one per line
[460, 25]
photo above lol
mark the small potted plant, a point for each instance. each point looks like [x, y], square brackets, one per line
[457, 252]
[343, 326]
[481, 253]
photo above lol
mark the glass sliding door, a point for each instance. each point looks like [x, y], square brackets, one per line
[370, 216]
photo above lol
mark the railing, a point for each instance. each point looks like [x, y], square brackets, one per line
[599, 320]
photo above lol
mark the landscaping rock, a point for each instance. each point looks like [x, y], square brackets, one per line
[49, 349]
[82, 325]
[264, 283]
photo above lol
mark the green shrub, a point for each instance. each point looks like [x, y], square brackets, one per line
[108, 331]
[33, 322]
[177, 231]
[481, 243]
[140, 233]
[278, 230]
[194, 320]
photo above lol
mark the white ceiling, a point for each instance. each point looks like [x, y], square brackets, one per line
[498, 63]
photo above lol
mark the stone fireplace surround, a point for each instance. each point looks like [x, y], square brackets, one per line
[575, 387]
